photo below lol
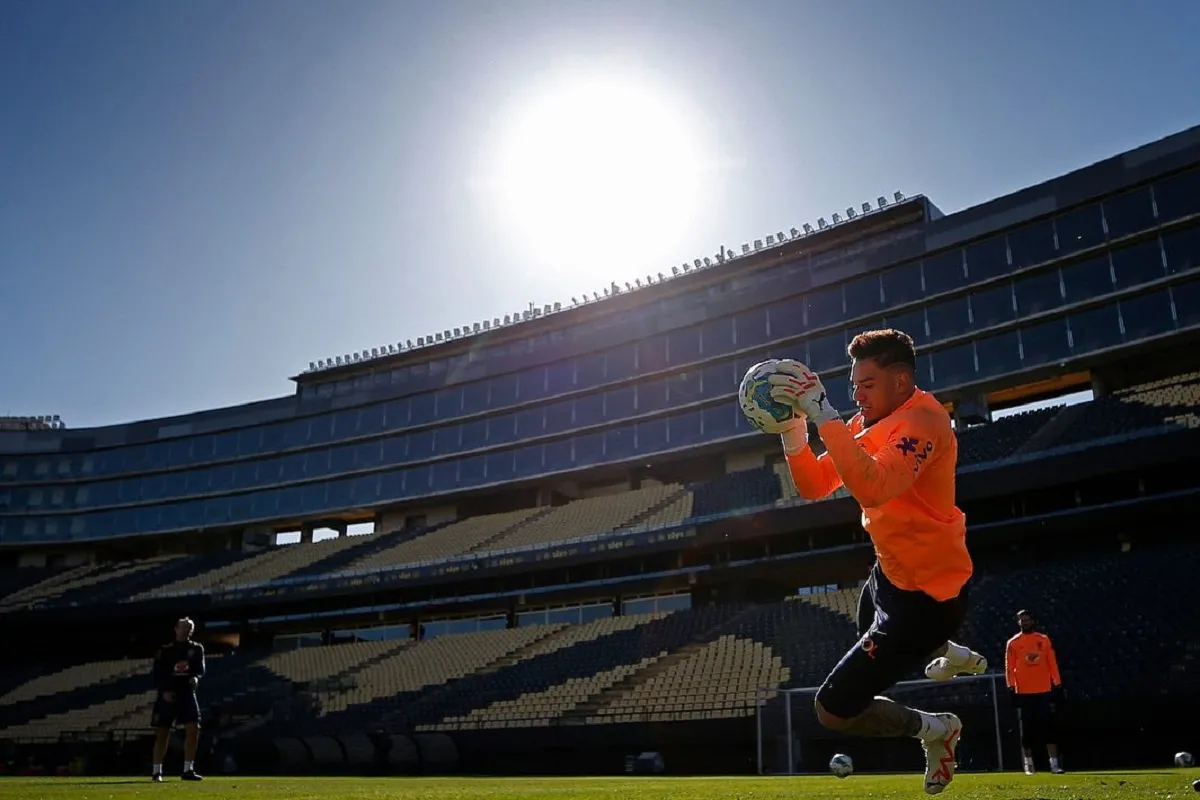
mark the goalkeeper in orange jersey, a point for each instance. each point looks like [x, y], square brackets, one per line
[897, 458]
[1031, 672]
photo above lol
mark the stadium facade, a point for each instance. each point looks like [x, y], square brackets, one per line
[591, 465]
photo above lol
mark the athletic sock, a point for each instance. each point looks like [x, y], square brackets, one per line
[188, 766]
[932, 727]
[1054, 763]
[1029, 765]
[157, 769]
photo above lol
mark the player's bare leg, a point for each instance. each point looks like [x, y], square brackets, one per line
[952, 659]
[939, 734]
[161, 737]
[190, 743]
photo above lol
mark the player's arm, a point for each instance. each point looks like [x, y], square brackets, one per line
[1010, 664]
[892, 470]
[814, 477]
[1052, 659]
[198, 665]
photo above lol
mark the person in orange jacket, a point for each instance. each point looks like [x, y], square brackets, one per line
[1031, 672]
[897, 458]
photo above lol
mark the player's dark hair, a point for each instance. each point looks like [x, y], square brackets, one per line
[886, 347]
[1023, 613]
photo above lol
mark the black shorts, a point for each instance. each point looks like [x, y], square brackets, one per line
[898, 631]
[1036, 714]
[183, 709]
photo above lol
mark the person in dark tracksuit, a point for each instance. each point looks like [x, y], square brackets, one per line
[178, 668]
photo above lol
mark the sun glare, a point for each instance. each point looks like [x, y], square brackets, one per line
[595, 169]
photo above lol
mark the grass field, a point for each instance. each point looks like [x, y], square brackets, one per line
[1006, 786]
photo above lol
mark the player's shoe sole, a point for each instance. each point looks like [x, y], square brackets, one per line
[940, 669]
[941, 755]
[191, 776]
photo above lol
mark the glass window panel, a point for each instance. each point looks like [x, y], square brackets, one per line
[948, 318]
[530, 422]
[1183, 250]
[316, 462]
[370, 419]
[470, 470]
[840, 395]
[558, 455]
[475, 397]
[225, 446]
[320, 429]
[560, 377]
[863, 296]
[416, 481]
[1129, 212]
[619, 443]
[1087, 279]
[824, 307]
[1178, 196]
[1080, 229]
[395, 450]
[395, 414]
[719, 380]
[203, 449]
[954, 365]
[1147, 315]
[827, 352]
[684, 346]
[720, 421]
[751, 328]
[1045, 343]
[1096, 329]
[990, 307]
[912, 323]
[652, 354]
[944, 272]
[619, 403]
[247, 473]
[1187, 303]
[987, 259]
[448, 403]
[684, 388]
[420, 445]
[473, 435]
[420, 409]
[589, 370]
[503, 391]
[291, 468]
[716, 336]
[685, 429]
[560, 416]
[341, 458]
[367, 454]
[531, 384]
[621, 362]
[502, 429]
[589, 449]
[529, 461]
[1039, 292]
[924, 369]
[1137, 264]
[589, 410]
[179, 454]
[903, 284]
[445, 440]
[1031, 244]
[787, 318]
[445, 474]
[339, 494]
[154, 487]
[652, 435]
[998, 354]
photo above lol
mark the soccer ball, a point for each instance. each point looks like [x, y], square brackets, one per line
[1184, 759]
[754, 396]
[841, 765]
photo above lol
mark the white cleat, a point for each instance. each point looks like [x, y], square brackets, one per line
[940, 669]
[940, 755]
[1057, 770]
[1029, 770]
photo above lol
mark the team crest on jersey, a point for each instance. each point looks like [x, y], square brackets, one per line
[182, 667]
[1033, 658]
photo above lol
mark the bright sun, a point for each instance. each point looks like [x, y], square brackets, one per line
[595, 169]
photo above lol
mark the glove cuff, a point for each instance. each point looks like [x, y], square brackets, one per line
[795, 439]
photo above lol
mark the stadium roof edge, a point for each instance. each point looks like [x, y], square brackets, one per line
[907, 211]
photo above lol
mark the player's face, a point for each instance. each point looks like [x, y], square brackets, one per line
[878, 391]
[1026, 623]
[183, 631]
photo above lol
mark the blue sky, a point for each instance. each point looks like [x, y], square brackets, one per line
[197, 199]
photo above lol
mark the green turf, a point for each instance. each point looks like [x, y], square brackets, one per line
[1008, 786]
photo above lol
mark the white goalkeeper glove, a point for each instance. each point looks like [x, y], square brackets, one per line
[799, 387]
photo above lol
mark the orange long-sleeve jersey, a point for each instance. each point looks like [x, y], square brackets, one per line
[1030, 666]
[901, 471]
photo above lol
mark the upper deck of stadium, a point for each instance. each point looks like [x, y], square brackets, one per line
[1048, 279]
